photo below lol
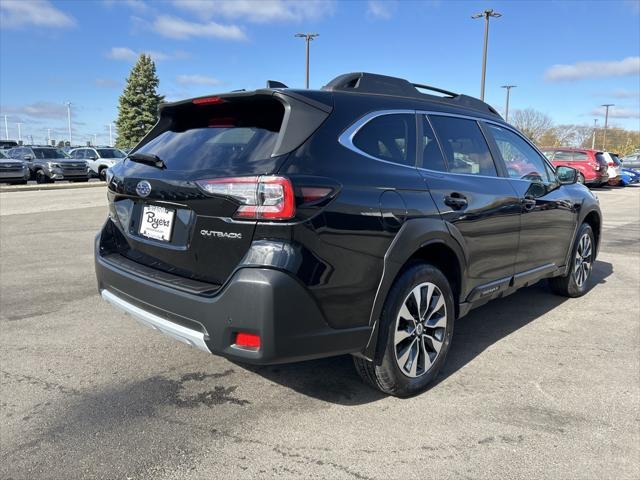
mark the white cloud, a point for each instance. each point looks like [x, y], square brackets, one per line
[197, 80]
[137, 5]
[107, 83]
[128, 55]
[16, 14]
[37, 110]
[381, 9]
[582, 70]
[616, 112]
[260, 11]
[622, 93]
[177, 28]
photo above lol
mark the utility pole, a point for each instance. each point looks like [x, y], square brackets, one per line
[48, 136]
[19, 131]
[95, 139]
[308, 37]
[593, 140]
[6, 128]
[506, 110]
[486, 14]
[68, 104]
[110, 136]
[606, 123]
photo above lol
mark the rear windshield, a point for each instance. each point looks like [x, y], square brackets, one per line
[44, 153]
[615, 159]
[230, 137]
[600, 159]
[110, 153]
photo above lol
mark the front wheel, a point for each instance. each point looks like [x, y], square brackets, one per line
[41, 177]
[416, 327]
[575, 282]
[103, 174]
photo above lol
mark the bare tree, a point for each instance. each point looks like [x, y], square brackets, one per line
[532, 123]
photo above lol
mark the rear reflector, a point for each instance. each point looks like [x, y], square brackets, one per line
[313, 194]
[207, 100]
[247, 340]
[266, 197]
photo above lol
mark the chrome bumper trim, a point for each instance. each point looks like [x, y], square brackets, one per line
[178, 332]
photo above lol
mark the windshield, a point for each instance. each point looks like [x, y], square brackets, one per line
[46, 153]
[110, 153]
[2, 155]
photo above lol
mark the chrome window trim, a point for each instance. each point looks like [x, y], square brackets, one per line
[346, 138]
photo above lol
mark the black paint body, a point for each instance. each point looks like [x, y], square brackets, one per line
[335, 261]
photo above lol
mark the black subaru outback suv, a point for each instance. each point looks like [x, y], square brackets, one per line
[281, 225]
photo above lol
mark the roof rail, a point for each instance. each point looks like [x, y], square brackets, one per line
[384, 85]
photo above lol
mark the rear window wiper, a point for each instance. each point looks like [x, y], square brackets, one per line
[147, 158]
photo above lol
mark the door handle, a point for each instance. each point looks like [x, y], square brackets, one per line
[456, 200]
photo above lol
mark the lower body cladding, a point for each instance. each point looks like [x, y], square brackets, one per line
[262, 303]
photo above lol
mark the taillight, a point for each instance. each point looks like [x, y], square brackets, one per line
[612, 164]
[207, 100]
[265, 197]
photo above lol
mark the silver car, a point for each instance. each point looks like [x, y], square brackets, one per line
[13, 170]
[631, 161]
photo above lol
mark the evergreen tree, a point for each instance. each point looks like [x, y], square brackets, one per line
[138, 104]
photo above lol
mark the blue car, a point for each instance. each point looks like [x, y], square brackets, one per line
[629, 176]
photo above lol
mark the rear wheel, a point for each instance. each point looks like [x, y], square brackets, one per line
[580, 178]
[103, 174]
[416, 327]
[575, 283]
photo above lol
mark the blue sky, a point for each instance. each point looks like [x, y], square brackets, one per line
[566, 57]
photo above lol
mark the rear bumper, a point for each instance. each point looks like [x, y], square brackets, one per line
[598, 179]
[263, 301]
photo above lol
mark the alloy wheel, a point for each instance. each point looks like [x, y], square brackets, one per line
[420, 329]
[583, 260]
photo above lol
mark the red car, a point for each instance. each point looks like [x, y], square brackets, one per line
[591, 164]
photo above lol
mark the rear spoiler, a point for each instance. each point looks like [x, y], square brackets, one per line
[302, 114]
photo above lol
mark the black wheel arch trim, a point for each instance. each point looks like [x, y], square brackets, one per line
[413, 236]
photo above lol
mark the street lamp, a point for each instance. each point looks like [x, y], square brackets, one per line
[68, 104]
[606, 122]
[506, 110]
[308, 37]
[486, 14]
[19, 131]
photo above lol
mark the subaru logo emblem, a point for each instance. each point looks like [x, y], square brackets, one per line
[143, 188]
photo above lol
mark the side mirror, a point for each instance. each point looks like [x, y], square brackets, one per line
[28, 158]
[566, 175]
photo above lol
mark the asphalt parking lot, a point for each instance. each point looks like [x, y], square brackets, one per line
[536, 386]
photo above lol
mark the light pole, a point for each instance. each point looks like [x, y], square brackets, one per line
[506, 110]
[48, 136]
[19, 131]
[308, 37]
[486, 14]
[110, 136]
[593, 140]
[68, 104]
[606, 123]
[6, 128]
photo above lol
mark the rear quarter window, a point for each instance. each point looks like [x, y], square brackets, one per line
[389, 137]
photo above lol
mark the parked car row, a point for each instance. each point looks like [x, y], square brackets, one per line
[46, 164]
[595, 167]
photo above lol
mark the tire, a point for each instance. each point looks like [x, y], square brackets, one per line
[41, 178]
[102, 174]
[576, 282]
[396, 370]
[580, 178]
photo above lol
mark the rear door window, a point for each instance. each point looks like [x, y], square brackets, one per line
[389, 137]
[580, 156]
[432, 158]
[464, 146]
[563, 156]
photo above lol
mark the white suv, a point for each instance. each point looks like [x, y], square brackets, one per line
[98, 158]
